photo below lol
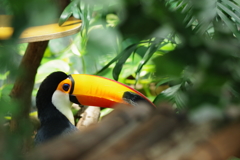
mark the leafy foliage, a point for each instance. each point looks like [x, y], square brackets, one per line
[112, 39]
[198, 67]
[189, 47]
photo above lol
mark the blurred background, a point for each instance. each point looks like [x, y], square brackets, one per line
[184, 52]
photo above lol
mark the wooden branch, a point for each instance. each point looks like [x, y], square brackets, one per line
[24, 83]
[89, 115]
[138, 138]
[181, 141]
[220, 146]
[138, 133]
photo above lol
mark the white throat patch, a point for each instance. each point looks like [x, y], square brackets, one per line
[61, 101]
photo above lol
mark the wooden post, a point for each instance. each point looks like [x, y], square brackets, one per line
[23, 86]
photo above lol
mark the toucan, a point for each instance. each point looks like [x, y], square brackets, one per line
[58, 91]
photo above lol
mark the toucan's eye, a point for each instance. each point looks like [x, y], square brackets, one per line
[66, 87]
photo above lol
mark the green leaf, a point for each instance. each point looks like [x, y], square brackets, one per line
[151, 50]
[122, 59]
[236, 1]
[229, 23]
[4, 76]
[106, 73]
[187, 8]
[5, 90]
[181, 5]
[87, 14]
[65, 14]
[76, 12]
[173, 94]
[229, 12]
[167, 94]
[105, 112]
[109, 63]
[232, 5]
[167, 65]
[129, 67]
[68, 11]
[165, 80]
[84, 21]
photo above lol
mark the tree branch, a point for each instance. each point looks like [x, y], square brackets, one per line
[138, 133]
[24, 83]
[89, 115]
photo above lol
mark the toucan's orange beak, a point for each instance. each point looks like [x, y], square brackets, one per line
[98, 91]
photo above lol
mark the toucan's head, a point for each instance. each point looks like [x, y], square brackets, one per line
[61, 90]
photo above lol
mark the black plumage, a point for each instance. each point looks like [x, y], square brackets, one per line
[53, 122]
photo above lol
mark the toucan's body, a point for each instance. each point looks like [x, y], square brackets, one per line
[53, 126]
[58, 91]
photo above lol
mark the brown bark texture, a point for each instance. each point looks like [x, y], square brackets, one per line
[89, 116]
[24, 83]
[140, 133]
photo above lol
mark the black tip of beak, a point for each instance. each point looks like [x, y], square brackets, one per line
[73, 99]
[134, 99]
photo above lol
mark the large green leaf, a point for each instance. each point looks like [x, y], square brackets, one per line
[229, 23]
[167, 95]
[229, 12]
[122, 59]
[72, 8]
[156, 44]
[234, 6]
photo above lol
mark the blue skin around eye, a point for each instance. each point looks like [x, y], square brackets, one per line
[66, 87]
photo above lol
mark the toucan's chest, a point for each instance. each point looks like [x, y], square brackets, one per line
[53, 129]
[52, 126]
